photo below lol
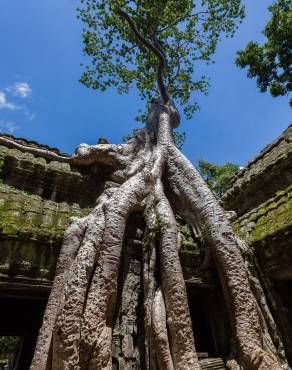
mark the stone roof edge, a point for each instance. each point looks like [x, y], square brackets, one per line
[259, 156]
[255, 211]
[33, 144]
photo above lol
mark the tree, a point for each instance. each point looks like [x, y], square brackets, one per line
[216, 176]
[179, 137]
[271, 63]
[157, 39]
[188, 33]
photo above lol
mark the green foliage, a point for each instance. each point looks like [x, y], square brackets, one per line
[179, 139]
[216, 176]
[187, 30]
[8, 344]
[126, 138]
[152, 235]
[271, 62]
[8, 348]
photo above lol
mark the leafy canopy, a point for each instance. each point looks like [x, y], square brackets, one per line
[218, 177]
[271, 63]
[187, 30]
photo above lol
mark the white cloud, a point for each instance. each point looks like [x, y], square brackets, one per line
[21, 89]
[30, 115]
[4, 104]
[8, 126]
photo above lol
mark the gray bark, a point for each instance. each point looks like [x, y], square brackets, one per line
[178, 316]
[149, 282]
[77, 325]
[190, 191]
[71, 242]
[159, 327]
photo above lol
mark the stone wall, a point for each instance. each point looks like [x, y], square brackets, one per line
[38, 197]
[31, 232]
[261, 194]
[267, 173]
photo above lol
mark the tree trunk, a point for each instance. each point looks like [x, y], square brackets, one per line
[78, 321]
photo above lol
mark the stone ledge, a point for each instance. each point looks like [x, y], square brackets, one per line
[212, 364]
[30, 216]
[268, 218]
[52, 180]
[31, 232]
[21, 287]
[267, 173]
[34, 144]
[275, 254]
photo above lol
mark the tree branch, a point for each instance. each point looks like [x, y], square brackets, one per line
[108, 154]
[45, 153]
[155, 48]
[183, 19]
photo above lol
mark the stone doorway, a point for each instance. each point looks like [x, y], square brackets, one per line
[21, 319]
[210, 322]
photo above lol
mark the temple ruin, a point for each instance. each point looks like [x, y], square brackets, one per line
[37, 199]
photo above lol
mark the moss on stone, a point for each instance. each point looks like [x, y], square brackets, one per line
[268, 218]
[268, 172]
[30, 214]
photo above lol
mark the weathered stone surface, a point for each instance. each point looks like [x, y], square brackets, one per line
[31, 231]
[128, 334]
[267, 173]
[31, 216]
[32, 227]
[269, 229]
[37, 198]
[213, 364]
[51, 180]
[270, 217]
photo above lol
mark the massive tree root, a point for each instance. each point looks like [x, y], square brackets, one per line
[155, 178]
[78, 322]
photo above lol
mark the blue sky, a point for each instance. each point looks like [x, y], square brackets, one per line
[41, 98]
